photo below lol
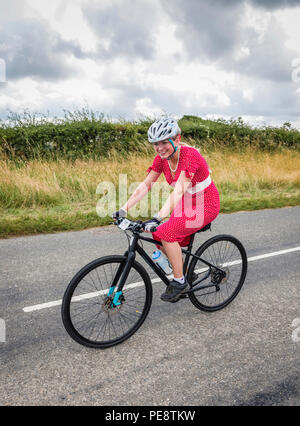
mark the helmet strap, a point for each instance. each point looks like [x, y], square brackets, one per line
[174, 147]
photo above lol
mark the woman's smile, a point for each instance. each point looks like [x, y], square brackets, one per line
[163, 148]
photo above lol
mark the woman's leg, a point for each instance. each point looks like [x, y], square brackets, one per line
[165, 253]
[174, 254]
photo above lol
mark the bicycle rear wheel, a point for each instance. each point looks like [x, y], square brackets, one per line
[229, 255]
[88, 312]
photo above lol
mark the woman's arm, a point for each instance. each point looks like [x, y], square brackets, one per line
[181, 186]
[141, 190]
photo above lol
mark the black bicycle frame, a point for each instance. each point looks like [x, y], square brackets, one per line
[134, 247]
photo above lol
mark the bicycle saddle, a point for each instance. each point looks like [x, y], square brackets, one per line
[205, 228]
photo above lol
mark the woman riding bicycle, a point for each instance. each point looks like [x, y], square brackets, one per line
[192, 205]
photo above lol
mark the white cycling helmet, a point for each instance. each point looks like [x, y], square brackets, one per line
[163, 129]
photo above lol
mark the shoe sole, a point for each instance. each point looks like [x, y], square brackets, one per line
[177, 297]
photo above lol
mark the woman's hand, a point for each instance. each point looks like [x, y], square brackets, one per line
[119, 213]
[148, 225]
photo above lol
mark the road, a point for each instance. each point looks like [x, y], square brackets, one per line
[245, 354]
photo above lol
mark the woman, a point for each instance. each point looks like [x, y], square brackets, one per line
[193, 204]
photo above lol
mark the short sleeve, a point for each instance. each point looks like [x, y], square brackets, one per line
[156, 166]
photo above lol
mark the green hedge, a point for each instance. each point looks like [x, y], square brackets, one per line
[237, 134]
[85, 134]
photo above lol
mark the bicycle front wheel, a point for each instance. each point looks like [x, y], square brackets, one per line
[220, 286]
[88, 312]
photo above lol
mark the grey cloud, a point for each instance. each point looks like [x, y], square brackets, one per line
[277, 106]
[31, 49]
[209, 29]
[272, 100]
[278, 102]
[213, 32]
[269, 59]
[124, 28]
[275, 4]
[284, 105]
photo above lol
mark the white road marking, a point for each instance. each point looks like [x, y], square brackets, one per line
[155, 280]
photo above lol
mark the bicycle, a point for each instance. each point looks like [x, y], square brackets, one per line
[108, 300]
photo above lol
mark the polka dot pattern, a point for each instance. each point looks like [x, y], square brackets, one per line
[193, 212]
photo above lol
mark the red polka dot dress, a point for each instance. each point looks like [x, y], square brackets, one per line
[200, 203]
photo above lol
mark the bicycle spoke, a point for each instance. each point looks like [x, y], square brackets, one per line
[225, 254]
[92, 313]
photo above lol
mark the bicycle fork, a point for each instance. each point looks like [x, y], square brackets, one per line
[122, 274]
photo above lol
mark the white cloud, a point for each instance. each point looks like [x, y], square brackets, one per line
[146, 108]
[126, 58]
[66, 17]
[290, 19]
[248, 94]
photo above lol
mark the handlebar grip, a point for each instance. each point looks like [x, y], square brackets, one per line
[153, 229]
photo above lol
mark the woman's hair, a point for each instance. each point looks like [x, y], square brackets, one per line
[181, 143]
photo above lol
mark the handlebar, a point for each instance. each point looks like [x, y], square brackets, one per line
[130, 225]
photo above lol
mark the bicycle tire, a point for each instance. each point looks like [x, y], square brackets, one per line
[206, 299]
[97, 269]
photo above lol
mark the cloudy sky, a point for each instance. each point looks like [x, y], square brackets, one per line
[129, 58]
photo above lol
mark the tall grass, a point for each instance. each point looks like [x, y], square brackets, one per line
[41, 183]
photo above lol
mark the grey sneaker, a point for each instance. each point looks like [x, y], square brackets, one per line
[173, 291]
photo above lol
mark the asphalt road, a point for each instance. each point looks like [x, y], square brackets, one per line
[245, 354]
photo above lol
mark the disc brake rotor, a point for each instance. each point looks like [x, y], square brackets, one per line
[108, 307]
